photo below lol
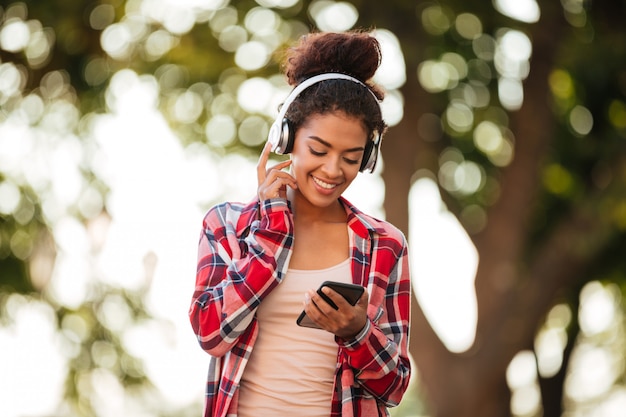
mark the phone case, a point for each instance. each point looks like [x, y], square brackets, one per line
[351, 292]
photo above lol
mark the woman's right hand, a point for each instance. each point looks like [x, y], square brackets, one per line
[273, 181]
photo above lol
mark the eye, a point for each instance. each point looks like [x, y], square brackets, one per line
[351, 161]
[316, 153]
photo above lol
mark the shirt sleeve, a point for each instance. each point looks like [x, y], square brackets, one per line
[234, 273]
[379, 353]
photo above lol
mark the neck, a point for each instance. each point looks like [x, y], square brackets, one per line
[303, 210]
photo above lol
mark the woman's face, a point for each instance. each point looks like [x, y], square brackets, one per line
[326, 156]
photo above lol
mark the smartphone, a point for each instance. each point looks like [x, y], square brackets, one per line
[351, 292]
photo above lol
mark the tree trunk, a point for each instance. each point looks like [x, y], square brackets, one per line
[473, 383]
[515, 284]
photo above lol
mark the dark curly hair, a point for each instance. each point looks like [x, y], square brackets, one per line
[354, 53]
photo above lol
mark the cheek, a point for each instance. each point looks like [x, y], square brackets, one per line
[298, 166]
[301, 159]
[351, 174]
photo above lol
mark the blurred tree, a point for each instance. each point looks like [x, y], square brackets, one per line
[556, 209]
[537, 104]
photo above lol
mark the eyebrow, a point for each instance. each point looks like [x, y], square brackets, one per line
[323, 142]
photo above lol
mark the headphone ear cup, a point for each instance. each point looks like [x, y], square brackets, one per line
[287, 136]
[280, 136]
[370, 155]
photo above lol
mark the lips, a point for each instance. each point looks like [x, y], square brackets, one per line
[323, 184]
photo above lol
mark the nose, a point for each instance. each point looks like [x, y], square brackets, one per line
[332, 166]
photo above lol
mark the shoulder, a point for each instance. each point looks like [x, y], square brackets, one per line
[389, 236]
[384, 227]
[231, 215]
[377, 228]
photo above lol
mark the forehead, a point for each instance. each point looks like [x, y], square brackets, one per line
[335, 128]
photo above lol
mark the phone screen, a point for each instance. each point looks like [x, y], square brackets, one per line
[351, 292]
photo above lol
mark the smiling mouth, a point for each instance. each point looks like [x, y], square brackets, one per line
[323, 184]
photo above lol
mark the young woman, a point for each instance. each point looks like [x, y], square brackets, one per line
[260, 264]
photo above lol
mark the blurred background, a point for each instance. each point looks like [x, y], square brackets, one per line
[122, 122]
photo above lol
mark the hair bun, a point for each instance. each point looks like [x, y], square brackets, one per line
[354, 53]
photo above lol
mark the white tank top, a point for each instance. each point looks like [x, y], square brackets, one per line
[291, 368]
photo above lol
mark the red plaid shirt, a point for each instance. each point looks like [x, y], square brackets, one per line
[244, 253]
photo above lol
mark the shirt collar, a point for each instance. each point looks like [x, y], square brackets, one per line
[362, 224]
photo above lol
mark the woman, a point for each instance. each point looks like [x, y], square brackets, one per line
[259, 264]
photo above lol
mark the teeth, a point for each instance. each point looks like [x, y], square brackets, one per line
[324, 184]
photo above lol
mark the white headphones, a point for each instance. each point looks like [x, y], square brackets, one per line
[281, 136]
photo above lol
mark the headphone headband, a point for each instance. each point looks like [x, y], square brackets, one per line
[281, 138]
[314, 80]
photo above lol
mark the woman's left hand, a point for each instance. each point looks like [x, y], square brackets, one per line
[345, 322]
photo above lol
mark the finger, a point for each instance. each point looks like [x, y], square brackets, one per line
[335, 297]
[311, 309]
[279, 166]
[364, 300]
[260, 168]
[277, 175]
[275, 185]
[278, 179]
[323, 305]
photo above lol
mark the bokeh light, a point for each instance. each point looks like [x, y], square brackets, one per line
[512, 61]
[445, 290]
[253, 131]
[490, 139]
[221, 130]
[333, 15]
[185, 107]
[459, 117]
[14, 35]
[9, 197]
[558, 180]
[600, 374]
[255, 94]
[252, 55]
[581, 120]
[101, 204]
[468, 25]
[391, 72]
[521, 378]
[232, 37]
[260, 20]
[159, 43]
[117, 41]
[511, 93]
[523, 10]
[11, 81]
[39, 370]
[436, 19]
[435, 76]
[484, 47]
[617, 114]
[38, 51]
[598, 310]
[551, 340]
[101, 16]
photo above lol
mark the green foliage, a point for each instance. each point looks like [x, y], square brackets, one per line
[20, 231]
[198, 75]
[93, 335]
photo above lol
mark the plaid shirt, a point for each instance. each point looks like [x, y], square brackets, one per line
[244, 253]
